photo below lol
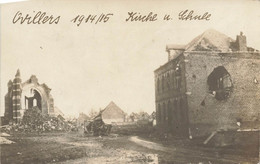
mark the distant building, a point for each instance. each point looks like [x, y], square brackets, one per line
[25, 95]
[207, 84]
[82, 118]
[133, 117]
[113, 114]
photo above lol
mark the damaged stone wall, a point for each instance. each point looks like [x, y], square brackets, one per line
[170, 97]
[206, 113]
[22, 96]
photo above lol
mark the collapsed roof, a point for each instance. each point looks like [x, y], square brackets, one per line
[212, 40]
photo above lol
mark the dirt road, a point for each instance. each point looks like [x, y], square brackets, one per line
[193, 154]
[76, 148]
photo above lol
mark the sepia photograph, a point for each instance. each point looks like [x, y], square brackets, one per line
[156, 82]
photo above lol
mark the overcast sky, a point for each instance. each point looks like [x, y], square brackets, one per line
[88, 66]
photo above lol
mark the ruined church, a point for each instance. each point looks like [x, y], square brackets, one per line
[211, 83]
[25, 95]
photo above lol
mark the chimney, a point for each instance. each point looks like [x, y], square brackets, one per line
[241, 42]
[174, 51]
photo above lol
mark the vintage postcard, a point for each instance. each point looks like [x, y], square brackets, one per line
[130, 81]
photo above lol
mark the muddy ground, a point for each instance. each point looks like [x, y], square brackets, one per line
[74, 147]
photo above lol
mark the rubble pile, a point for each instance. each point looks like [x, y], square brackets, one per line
[3, 140]
[34, 121]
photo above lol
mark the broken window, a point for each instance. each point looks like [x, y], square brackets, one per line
[220, 84]
[178, 70]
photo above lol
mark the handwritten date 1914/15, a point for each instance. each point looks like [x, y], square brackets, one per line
[91, 18]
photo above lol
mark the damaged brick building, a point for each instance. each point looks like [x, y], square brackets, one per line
[25, 95]
[210, 83]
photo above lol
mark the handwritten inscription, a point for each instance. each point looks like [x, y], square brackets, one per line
[91, 18]
[134, 16]
[44, 18]
[189, 15]
[38, 18]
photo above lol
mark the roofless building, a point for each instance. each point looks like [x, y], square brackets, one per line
[25, 95]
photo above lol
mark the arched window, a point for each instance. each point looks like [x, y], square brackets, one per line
[176, 114]
[164, 113]
[26, 104]
[158, 85]
[34, 102]
[159, 114]
[178, 82]
[162, 82]
[173, 80]
[169, 107]
[220, 84]
[168, 81]
[182, 110]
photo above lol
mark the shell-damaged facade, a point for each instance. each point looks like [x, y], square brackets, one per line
[211, 83]
[23, 96]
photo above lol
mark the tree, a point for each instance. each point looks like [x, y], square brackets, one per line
[132, 116]
[143, 115]
[153, 115]
[93, 113]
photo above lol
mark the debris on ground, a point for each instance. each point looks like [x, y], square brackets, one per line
[3, 140]
[209, 138]
[97, 127]
[4, 135]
